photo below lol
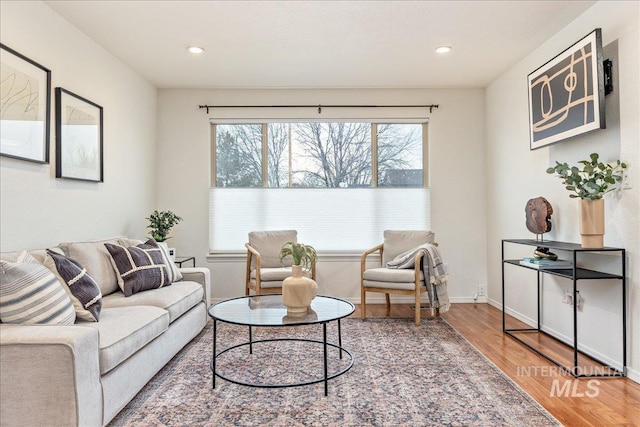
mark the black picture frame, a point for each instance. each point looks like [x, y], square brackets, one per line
[25, 123]
[566, 95]
[79, 136]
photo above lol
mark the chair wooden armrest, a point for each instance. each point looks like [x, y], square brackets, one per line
[251, 252]
[365, 254]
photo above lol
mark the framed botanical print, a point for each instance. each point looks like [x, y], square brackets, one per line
[25, 107]
[79, 142]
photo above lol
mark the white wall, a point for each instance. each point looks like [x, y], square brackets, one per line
[37, 210]
[456, 135]
[515, 174]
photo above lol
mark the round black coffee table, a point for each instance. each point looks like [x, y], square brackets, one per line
[268, 311]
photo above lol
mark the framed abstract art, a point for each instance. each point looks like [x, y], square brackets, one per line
[566, 95]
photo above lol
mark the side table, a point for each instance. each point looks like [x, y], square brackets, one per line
[182, 259]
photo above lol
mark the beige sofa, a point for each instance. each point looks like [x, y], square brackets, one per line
[84, 374]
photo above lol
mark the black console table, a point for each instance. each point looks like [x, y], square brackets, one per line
[574, 274]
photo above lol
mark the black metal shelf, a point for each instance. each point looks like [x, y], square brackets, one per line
[563, 246]
[580, 273]
[574, 274]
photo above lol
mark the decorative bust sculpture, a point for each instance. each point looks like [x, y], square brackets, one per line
[538, 213]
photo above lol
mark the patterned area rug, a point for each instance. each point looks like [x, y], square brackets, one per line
[402, 375]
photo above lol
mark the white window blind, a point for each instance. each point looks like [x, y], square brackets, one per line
[331, 220]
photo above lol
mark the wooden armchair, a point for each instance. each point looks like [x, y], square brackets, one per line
[265, 272]
[394, 281]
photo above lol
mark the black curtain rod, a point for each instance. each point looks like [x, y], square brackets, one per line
[319, 106]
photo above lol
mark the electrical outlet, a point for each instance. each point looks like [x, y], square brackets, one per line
[567, 298]
[482, 291]
[626, 182]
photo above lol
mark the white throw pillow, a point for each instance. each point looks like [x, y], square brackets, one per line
[31, 294]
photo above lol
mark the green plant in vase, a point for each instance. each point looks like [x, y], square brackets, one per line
[298, 291]
[161, 224]
[303, 255]
[589, 184]
[593, 181]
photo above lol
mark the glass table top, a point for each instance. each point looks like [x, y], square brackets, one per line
[268, 310]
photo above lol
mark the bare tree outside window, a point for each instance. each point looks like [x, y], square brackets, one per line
[332, 154]
[278, 155]
[238, 156]
[400, 155]
[319, 155]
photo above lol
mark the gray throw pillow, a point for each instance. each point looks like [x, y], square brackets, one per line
[140, 267]
[82, 289]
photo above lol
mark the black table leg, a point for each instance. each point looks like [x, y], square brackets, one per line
[340, 338]
[326, 374]
[250, 341]
[213, 359]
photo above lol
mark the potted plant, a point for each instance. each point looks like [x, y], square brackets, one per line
[590, 183]
[303, 255]
[161, 223]
[298, 290]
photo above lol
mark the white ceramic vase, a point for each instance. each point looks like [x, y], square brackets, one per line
[297, 292]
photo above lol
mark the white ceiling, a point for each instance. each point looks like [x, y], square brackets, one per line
[320, 44]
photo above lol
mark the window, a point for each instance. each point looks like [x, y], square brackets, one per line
[319, 155]
[319, 178]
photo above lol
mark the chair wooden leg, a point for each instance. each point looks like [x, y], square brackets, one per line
[388, 304]
[363, 303]
[417, 308]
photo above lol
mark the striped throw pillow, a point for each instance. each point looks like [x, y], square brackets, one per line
[31, 294]
[139, 267]
[172, 270]
[81, 288]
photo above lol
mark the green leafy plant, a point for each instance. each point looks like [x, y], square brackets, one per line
[593, 181]
[161, 223]
[303, 255]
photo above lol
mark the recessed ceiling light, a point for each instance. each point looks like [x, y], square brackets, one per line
[195, 49]
[443, 49]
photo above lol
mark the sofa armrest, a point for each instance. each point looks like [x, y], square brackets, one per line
[200, 275]
[49, 375]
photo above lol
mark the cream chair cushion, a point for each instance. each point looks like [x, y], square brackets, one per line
[268, 244]
[397, 242]
[391, 275]
[272, 274]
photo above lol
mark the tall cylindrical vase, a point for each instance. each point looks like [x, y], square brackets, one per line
[297, 292]
[592, 223]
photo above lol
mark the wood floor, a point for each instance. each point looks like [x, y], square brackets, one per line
[601, 402]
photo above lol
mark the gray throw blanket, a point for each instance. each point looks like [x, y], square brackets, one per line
[432, 268]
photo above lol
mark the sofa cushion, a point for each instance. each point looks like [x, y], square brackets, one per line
[81, 288]
[177, 299]
[38, 254]
[31, 294]
[400, 241]
[140, 267]
[95, 258]
[125, 330]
